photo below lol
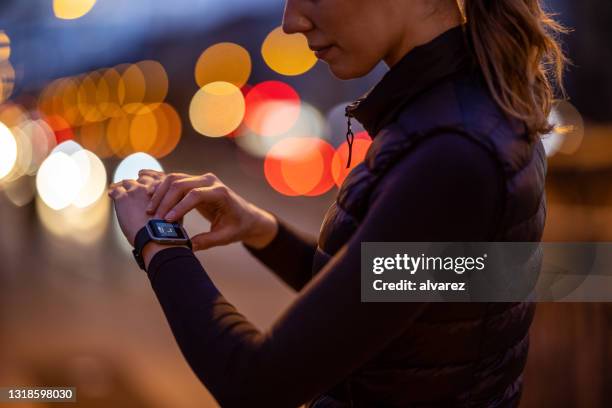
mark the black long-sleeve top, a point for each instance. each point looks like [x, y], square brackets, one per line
[447, 189]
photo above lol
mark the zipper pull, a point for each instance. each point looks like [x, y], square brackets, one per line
[349, 134]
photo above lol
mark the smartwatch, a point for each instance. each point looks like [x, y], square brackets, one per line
[161, 232]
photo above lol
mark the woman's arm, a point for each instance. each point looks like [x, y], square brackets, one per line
[448, 189]
[289, 255]
[286, 251]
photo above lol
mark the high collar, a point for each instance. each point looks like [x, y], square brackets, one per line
[415, 72]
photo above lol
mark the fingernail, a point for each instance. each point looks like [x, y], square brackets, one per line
[170, 215]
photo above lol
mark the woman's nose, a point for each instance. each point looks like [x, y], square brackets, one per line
[294, 21]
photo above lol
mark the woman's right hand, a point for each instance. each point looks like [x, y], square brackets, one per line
[232, 218]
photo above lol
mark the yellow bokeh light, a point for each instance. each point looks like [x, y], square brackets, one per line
[144, 84]
[227, 62]
[143, 131]
[72, 9]
[8, 151]
[93, 137]
[132, 88]
[87, 98]
[287, 54]
[5, 46]
[169, 128]
[7, 80]
[217, 109]
[118, 135]
[107, 93]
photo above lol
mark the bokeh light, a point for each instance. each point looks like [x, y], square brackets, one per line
[568, 131]
[300, 166]
[41, 140]
[570, 125]
[131, 165]
[8, 151]
[310, 123]
[361, 144]
[58, 181]
[84, 226]
[107, 93]
[227, 62]
[72, 9]
[7, 80]
[118, 135]
[93, 137]
[5, 46]
[272, 108]
[20, 192]
[93, 173]
[169, 129]
[68, 147]
[287, 54]
[143, 86]
[217, 109]
[24, 154]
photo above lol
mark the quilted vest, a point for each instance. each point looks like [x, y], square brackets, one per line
[455, 354]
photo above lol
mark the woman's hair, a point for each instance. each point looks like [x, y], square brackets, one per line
[516, 45]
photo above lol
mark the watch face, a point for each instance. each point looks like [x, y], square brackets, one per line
[166, 230]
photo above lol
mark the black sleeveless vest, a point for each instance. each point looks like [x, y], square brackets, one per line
[455, 354]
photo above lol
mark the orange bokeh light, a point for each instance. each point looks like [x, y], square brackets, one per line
[361, 144]
[300, 166]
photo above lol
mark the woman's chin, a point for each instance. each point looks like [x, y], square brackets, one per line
[342, 70]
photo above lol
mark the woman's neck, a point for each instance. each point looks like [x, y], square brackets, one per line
[423, 33]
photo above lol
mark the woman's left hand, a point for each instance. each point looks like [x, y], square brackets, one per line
[131, 199]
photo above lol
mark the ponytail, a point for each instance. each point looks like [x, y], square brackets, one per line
[515, 44]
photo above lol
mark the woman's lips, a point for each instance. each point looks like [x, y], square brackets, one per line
[322, 52]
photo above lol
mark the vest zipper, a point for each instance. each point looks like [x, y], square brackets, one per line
[350, 137]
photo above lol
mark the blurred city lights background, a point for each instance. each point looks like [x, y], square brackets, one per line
[93, 91]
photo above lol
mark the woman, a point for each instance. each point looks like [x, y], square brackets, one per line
[456, 156]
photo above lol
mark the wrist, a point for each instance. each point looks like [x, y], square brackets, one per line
[152, 248]
[263, 230]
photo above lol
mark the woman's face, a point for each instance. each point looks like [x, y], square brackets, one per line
[355, 34]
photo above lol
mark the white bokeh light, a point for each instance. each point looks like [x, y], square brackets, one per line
[8, 150]
[131, 165]
[69, 147]
[552, 141]
[58, 181]
[93, 174]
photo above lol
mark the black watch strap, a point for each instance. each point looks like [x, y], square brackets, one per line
[142, 238]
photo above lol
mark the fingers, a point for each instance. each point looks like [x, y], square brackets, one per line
[154, 174]
[116, 191]
[174, 184]
[160, 191]
[175, 193]
[122, 188]
[211, 239]
[193, 198]
[150, 183]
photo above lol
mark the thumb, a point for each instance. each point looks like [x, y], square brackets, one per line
[211, 239]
